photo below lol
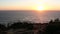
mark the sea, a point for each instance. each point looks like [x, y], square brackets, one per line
[10, 16]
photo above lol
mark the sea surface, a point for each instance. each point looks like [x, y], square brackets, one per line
[28, 15]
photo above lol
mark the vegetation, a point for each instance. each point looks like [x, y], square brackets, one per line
[53, 27]
[20, 25]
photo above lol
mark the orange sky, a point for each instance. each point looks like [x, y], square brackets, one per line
[29, 4]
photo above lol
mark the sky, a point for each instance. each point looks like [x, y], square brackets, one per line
[29, 4]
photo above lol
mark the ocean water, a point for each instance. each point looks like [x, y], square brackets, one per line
[33, 16]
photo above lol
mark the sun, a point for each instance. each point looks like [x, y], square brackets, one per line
[40, 8]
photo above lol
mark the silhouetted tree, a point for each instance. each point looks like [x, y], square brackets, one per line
[57, 21]
[53, 27]
[51, 21]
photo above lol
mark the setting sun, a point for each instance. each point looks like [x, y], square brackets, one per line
[40, 8]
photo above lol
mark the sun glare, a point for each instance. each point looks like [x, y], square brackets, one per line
[40, 8]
